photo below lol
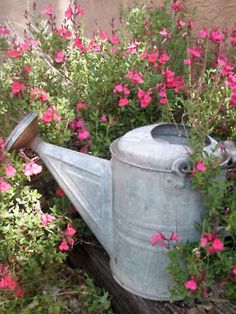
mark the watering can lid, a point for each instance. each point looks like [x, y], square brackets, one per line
[156, 147]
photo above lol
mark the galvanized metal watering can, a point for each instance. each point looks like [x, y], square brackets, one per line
[143, 188]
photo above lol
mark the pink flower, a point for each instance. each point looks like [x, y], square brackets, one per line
[158, 239]
[164, 32]
[79, 11]
[143, 55]
[187, 61]
[123, 101]
[27, 69]
[70, 231]
[234, 270]
[164, 58]
[152, 58]
[59, 192]
[45, 219]
[69, 13]
[17, 87]
[63, 246]
[146, 99]
[103, 118]
[177, 5]
[80, 106]
[4, 30]
[83, 135]
[191, 284]
[50, 115]
[216, 36]
[118, 88]
[32, 168]
[217, 245]
[202, 33]
[10, 170]
[47, 10]
[115, 40]
[4, 186]
[59, 56]
[137, 78]
[204, 240]
[200, 167]
[103, 35]
[19, 292]
[13, 53]
[195, 52]
[174, 237]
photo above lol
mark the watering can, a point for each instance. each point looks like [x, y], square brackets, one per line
[143, 188]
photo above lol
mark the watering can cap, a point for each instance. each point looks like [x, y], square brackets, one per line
[155, 147]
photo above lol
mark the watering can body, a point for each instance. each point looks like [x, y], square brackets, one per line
[142, 189]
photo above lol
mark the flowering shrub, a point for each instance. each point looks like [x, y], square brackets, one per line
[87, 93]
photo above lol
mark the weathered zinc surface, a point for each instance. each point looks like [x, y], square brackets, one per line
[213, 12]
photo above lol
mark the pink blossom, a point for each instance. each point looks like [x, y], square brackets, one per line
[80, 124]
[123, 101]
[158, 239]
[143, 55]
[115, 40]
[50, 115]
[152, 58]
[113, 49]
[83, 135]
[69, 13]
[47, 10]
[174, 237]
[103, 35]
[135, 77]
[59, 56]
[234, 270]
[32, 168]
[164, 58]
[24, 46]
[19, 292]
[181, 23]
[145, 99]
[216, 36]
[4, 186]
[63, 246]
[202, 33]
[164, 32]
[118, 88]
[45, 219]
[10, 170]
[71, 241]
[200, 167]
[217, 245]
[187, 61]
[15, 53]
[34, 43]
[195, 52]
[103, 118]
[126, 91]
[204, 240]
[59, 192]
[191, 24]
[81, 105]
[17, 87]
[79, 44]
[169, 78]
[27, 69]
[79, 11]
[191, 284]
[177, 6]
[70, 231]
[4, 30]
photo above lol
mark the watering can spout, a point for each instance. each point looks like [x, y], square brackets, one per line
[85, 179]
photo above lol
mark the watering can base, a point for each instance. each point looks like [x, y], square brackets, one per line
[154, 297]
